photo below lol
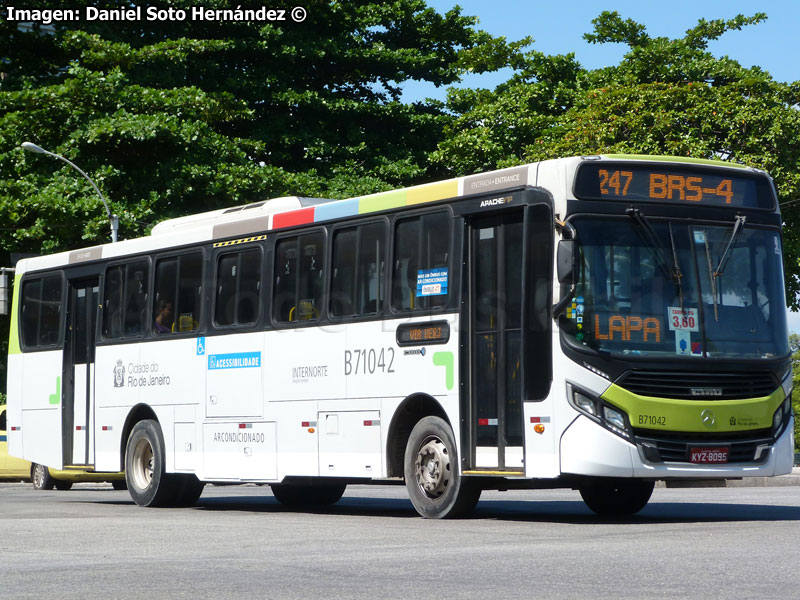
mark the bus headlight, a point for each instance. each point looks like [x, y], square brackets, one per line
[781, 417]
[610, 417]
[585, 403]
[614, 417]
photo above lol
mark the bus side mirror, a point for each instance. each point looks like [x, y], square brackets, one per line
[565, 262]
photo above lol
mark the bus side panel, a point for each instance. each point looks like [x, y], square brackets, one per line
[303, 368]
[377, 367]
[109, 421]
[41, 408]
[542, 449]
[116, 392]
[14, 411]
[234, 375]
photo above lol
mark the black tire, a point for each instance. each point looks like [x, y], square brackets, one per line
[308, 495]
[119, 484]
[433, 478]
[189, 490]
[63, 484]
[40, 477]
[148, 483]
[617, 497]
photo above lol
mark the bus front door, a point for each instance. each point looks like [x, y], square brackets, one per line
[495, 316]
[77, 417]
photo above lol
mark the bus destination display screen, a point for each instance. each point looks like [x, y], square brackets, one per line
[415, 334]
[670, 183]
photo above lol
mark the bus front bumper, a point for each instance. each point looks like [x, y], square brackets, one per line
[589, 449]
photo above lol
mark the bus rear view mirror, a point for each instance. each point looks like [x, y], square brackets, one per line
[565, 261]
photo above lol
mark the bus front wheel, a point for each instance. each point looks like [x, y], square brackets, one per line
[434, 482]
[616, 497]
[148, 484]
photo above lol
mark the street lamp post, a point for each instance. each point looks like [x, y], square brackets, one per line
[112, 219]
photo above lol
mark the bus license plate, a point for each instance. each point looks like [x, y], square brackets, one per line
[708, 455]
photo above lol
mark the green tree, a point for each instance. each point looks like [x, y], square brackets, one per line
[667, 96]
[172, 118]
[794, 344]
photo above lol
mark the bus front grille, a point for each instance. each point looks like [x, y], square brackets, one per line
[683, 385]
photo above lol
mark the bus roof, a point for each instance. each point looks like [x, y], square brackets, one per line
[288, 211]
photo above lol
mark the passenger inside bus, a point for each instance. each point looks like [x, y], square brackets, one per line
[164, 317]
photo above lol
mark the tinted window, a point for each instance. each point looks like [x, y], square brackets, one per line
[125, 300]
[40, 318]
[421, 273]
[238, 288]
[178, 287]
[299, 278]
[359, 264]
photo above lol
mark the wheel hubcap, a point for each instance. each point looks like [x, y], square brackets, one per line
[142, 464]
[433, 468]
[38, 475]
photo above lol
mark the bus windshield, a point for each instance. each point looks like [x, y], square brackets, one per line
[663, 288]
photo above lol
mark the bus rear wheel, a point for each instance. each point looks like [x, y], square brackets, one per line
[617, 497]
[148, 484]
[431, 468]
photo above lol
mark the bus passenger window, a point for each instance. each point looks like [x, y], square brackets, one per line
[125, 300]
[41, 312]
[112, 302]
[177, 300]
[299, 278]
[359, 264]
[421, 262]
[136, 282]
[31, 302]
[238, 290]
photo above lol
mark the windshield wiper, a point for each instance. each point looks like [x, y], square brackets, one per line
[723, 260]
[711, 278]
[737, 230]
[649, 236]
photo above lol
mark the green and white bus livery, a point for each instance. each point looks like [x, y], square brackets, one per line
[597, 323]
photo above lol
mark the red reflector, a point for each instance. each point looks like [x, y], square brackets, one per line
[245, 425]
[367, 423]
[483, 421]
[536, 419]
[305, 424]
[16, 428]
[106, 427]
[78, 427]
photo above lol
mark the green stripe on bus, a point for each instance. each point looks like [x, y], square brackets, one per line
[382, 201]
[13, 336]
[665, 414]
[679, 159]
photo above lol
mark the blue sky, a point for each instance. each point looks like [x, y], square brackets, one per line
[558, 28]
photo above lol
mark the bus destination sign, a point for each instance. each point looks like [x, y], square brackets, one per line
[657, 183]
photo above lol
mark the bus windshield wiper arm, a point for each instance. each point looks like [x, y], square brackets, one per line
[676, 268]
[737, 230]
[651, 239]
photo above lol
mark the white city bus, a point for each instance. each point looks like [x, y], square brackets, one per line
[596, 323]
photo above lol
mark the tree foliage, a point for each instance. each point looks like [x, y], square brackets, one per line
[667, 96]
[171, 118]
[794, 344]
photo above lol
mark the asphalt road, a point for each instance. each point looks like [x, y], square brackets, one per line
[238, 542]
